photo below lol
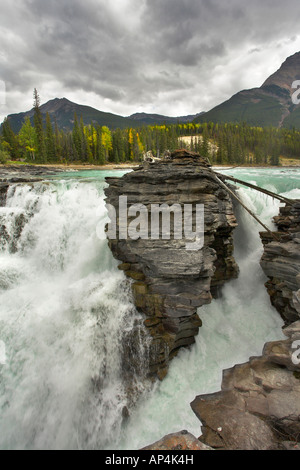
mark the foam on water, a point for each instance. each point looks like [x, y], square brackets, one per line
[65, 307]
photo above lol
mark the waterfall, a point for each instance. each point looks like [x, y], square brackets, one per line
[66, 313]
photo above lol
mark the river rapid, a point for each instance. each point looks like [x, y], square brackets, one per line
[66, 310]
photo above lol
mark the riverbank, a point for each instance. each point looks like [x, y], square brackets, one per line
[128, 166]
[59, 166]
[285, 163]
[18, 173]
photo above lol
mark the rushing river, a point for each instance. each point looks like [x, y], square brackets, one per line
[65, 310]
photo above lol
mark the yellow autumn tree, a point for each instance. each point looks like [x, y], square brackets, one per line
[139, 143]
[131, 143]
[106, 140]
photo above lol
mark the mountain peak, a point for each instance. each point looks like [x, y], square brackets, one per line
[148, 119]
[62, 111]
[56, 104]
[286, 74]
[269, 105]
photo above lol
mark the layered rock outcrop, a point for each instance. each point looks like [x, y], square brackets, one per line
[25, 173]
[281, 263]
[169, 281]
[258, 407]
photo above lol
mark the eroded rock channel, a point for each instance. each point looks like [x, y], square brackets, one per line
[258, 407]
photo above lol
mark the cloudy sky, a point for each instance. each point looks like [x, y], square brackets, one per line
[172, 57]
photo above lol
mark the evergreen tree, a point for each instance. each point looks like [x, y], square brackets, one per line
[50, 140]
[76, 137]
[275, 157]
[85, 151]
[27, 138]
[10, 142]
[118, 146]
[38, 126]
[100, 152]
[58, 138]
[205, 146]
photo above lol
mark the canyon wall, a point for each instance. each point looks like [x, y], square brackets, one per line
[281, 263]
[258, 407]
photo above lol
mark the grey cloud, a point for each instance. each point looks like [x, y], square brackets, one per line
[133, 52]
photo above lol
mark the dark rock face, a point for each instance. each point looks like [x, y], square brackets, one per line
[171, 282]
[281, 263]
[259, 405]
[3, 192]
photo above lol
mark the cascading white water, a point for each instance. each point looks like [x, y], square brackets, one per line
[65, 307]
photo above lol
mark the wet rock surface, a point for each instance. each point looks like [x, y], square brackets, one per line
[181, 441]
[258, 407]
[24, 173]
[3, 191]
[169, 282]
[281, 263]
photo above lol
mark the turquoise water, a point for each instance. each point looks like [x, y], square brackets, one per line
[88, 175]
[277, 180]
[65, 307]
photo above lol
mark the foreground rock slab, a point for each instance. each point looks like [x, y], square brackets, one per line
[179, 441]
[258, 407]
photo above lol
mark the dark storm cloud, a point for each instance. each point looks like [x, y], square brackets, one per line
[163, 55]
[211, 28]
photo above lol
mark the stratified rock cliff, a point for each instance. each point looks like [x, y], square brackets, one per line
[169, 281]
[281, 263]
[258, 407]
